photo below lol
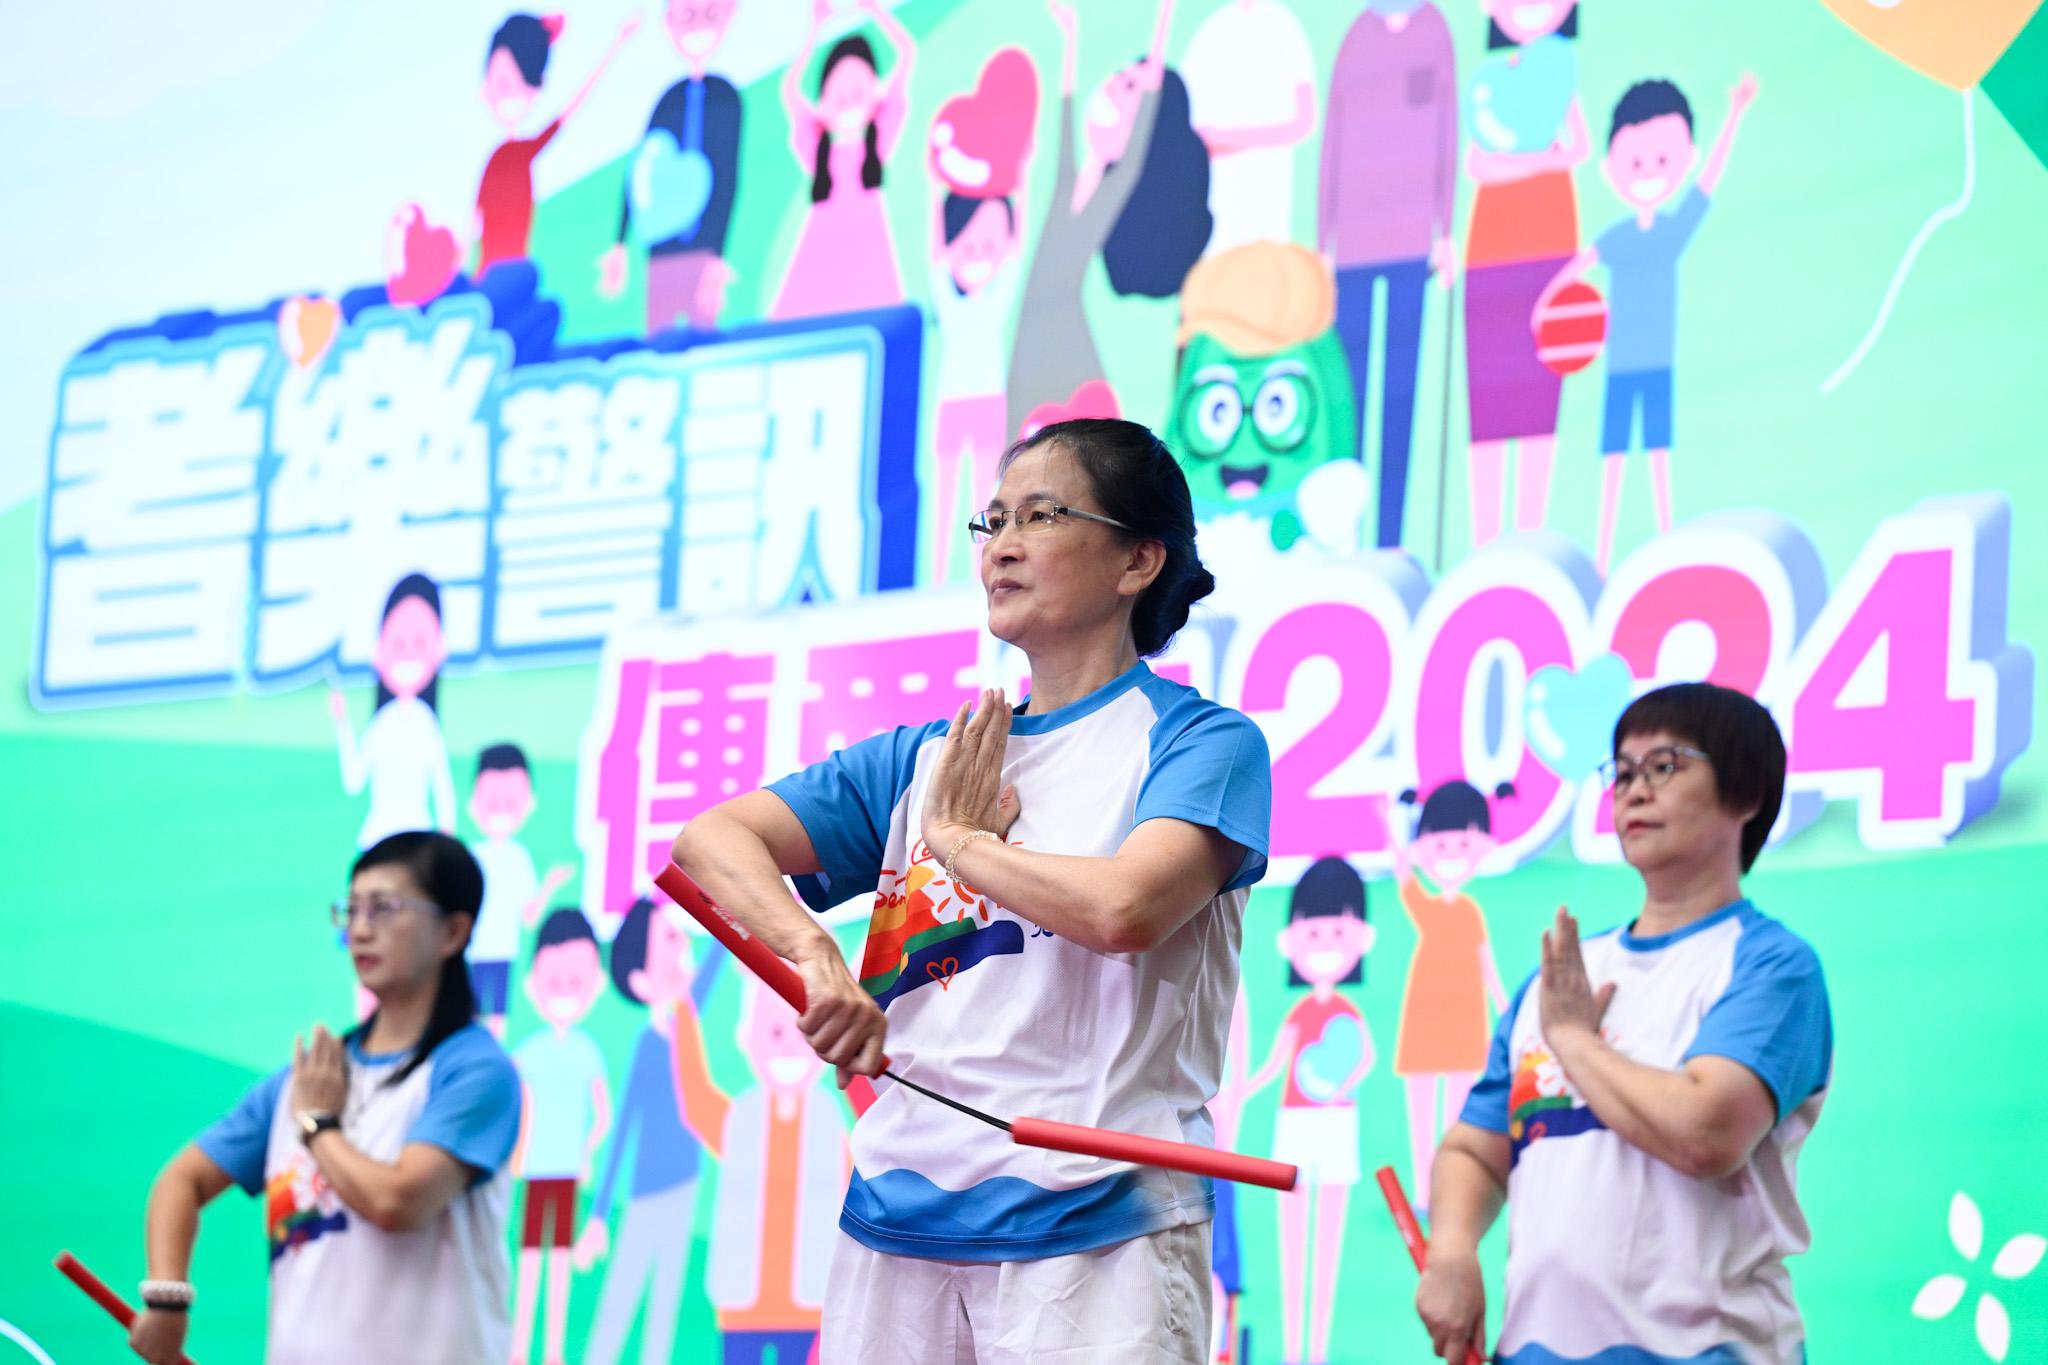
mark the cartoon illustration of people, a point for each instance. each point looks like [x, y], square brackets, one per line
[1445, 1028]
[1053, 355]
[1326, 1050]
[401, 756]
[1649, 150]
[500, 802]
[1226, 1249]
[1263, 397]
[1527, 133]
[651, 967]
[568, 1108]
[683, 179]
[977, 213]
[784, 1166]
[513, 68]
[1383, 211]
[845, 260]
[1251, 90]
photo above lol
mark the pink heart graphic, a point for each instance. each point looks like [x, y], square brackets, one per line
[420, 258]
[980, 141]
[1093, 399]
[943, 971]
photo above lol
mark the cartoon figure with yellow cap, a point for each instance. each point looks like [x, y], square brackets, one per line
[1262, 399]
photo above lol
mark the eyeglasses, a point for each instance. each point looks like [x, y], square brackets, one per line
[376, 909]
[1654, 767]
[1031, 517]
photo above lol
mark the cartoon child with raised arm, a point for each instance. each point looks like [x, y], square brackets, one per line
[1445, 1028]
[513, 68]
[1649, 150]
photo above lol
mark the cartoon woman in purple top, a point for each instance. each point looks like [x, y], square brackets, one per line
[844, 259]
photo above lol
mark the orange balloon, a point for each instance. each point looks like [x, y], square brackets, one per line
[1954, 41]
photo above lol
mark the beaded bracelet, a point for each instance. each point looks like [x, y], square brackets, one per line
[963, 842]
[166, 1296]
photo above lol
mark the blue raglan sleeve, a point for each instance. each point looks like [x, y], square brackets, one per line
[1774, 1017]
[1210, 767]
[238, 1140]
[1487, 1104]
[472, 1108]
[845, 803]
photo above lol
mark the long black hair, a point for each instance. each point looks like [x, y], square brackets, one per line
[1165, 224]
[1139, 483]
[871, 164]
[420, 586]
[451, 879]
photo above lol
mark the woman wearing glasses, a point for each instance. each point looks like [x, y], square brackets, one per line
[1648, 1091]
[380, 1155]
[1058, 895]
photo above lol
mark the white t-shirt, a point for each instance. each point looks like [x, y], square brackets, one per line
[1242, 68]
[974, 332]
[342, 1291]
[1613, 1254]
[403, 759]
[993, 1011]
[509, 883]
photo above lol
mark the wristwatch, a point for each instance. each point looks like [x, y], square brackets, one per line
[313, 1122]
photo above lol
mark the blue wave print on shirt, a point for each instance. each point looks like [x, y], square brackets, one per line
[936, 964]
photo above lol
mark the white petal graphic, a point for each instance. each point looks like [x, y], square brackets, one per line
[1994, 1328]
[1938, 1297]
[2019, 1256]
[1965, 1226]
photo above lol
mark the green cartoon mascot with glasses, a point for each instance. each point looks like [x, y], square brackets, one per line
[1263, 397]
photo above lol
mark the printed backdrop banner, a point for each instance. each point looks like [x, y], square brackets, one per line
[575, 423]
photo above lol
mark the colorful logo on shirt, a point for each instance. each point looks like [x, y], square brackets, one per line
[299, 1207]
[926, 930]
[1542, 1103]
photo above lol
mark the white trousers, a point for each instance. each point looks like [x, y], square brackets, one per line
[1145, 1300]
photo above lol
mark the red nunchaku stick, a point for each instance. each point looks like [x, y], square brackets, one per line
[781, 978]
[96, 1289]
[1411, 1233]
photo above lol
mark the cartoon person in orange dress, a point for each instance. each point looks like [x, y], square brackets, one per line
[1445, 1027]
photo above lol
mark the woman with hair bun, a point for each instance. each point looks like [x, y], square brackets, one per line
[1059, 891]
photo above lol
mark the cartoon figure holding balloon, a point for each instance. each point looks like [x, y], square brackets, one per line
[1649, 150]
[1445, 1028]
[682, 180]
[1326, 1050]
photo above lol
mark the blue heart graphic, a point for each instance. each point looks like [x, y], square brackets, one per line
[1569, 717]
[669, 186]
[1322, 1066]
[1517, 100]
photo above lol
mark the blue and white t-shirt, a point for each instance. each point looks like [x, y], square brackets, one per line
[994, 1011]
[342, 1291]
[1614, 1255]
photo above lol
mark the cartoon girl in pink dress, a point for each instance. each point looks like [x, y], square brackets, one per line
[845, 260]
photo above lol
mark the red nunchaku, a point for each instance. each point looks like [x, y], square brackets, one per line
[781, 978]
[96, 1289]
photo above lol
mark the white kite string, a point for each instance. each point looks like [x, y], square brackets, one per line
[1927, 230]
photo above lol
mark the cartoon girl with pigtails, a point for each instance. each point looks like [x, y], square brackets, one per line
[1445, 1026]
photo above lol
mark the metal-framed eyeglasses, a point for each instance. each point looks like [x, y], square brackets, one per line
[1032, 516]
[378, 908]
[1655, 767]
